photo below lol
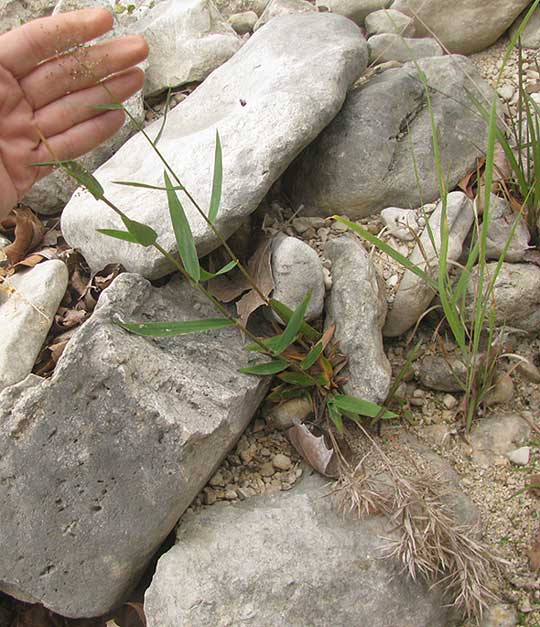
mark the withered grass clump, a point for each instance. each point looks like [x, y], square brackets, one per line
[426, 536]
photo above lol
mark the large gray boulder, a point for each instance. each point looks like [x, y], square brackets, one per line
[287, 559]
[268, 102]
[188, 40]
[530, 36]
[98, 463]
[357, 305]
[387, 47]
[365, 159]
[462, 26]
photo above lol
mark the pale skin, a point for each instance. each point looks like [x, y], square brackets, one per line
[50, 82]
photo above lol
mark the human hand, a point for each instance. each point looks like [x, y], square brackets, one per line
[51, 82]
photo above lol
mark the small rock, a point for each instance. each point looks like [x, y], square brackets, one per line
[502, 392]
[247, 456]
[297, 270]
[230, 495]
[267, 469]
[258, 425]
[355, 10]
[506, 92]
[500, 616]
[392, 47]
[520, 456]
[27, 308]
[275, 8]
[401, 223]
[440, 373]
[493, 437]
[292, 412]
[530, 35]
[243, 22]
[217, 479]
[413, 295]
[528, 371]
[500, 227]
[210, 496]
[389, 21]
[357, 305]
[232, 7]
[281, 462]
[449, 401]
[188, 40]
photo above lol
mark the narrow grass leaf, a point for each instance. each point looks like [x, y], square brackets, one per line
[169, 329]
[142, 233]
[266, 368]
[217, 182]
[298, 378]
[285, 314]
[164, 119]
[206, 276]
[182, 231]
[293, 327]
[391, 252]
[271, 343]
[335, 416]
[346, 403]
[311, 357]
[80, 174]
[113, 106]
[147, 185]
[126, 236]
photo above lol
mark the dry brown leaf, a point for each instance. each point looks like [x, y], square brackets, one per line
[29, 232]
[312, 449]
[260, 269]
[533, 553]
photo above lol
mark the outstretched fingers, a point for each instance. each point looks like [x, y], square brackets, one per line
[22, 49]
[79, 139]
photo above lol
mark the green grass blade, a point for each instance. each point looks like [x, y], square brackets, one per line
[143, 234]
[285, 314]
[386, 248]
[126, 236]
[164, 119]
[311, 357]
[147, 185]
[217, 182]
[207, 276]
[182, 231]
[170, 329]
[335, 416]
[266, 368]
[293, 327]
[303, 380]
[351, 404]
[80, 174]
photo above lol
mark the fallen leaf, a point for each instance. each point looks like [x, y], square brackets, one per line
[533, 553]
[260, 269]
[29, 232]
[312, 449]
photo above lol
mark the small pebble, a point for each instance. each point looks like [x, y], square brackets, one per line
[281, 462]
[528, 371]
[267, 470]
[217, 479]
[449, 401]
[520, 456]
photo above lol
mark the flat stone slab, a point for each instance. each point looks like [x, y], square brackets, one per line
[268, 102]
[287, 559]
[98, 463]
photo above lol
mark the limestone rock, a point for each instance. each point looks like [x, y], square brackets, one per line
[413, 295]
[297, 270]
[393, 47]
[520, 456]
[26, 315]
[439, 373]
[401, 223]
[121, 439]
[280, 96]
[530, 35]
[275, 8]
[355, 10]
[500, 227]
[188, 40]
[500, 616]
[493, 437]
[462, 26]
[15, 13]
[285, 559]
[363, 161]
[516, 295]
[231, 7]
[243, 22]
[358, 307]
[389, 21]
